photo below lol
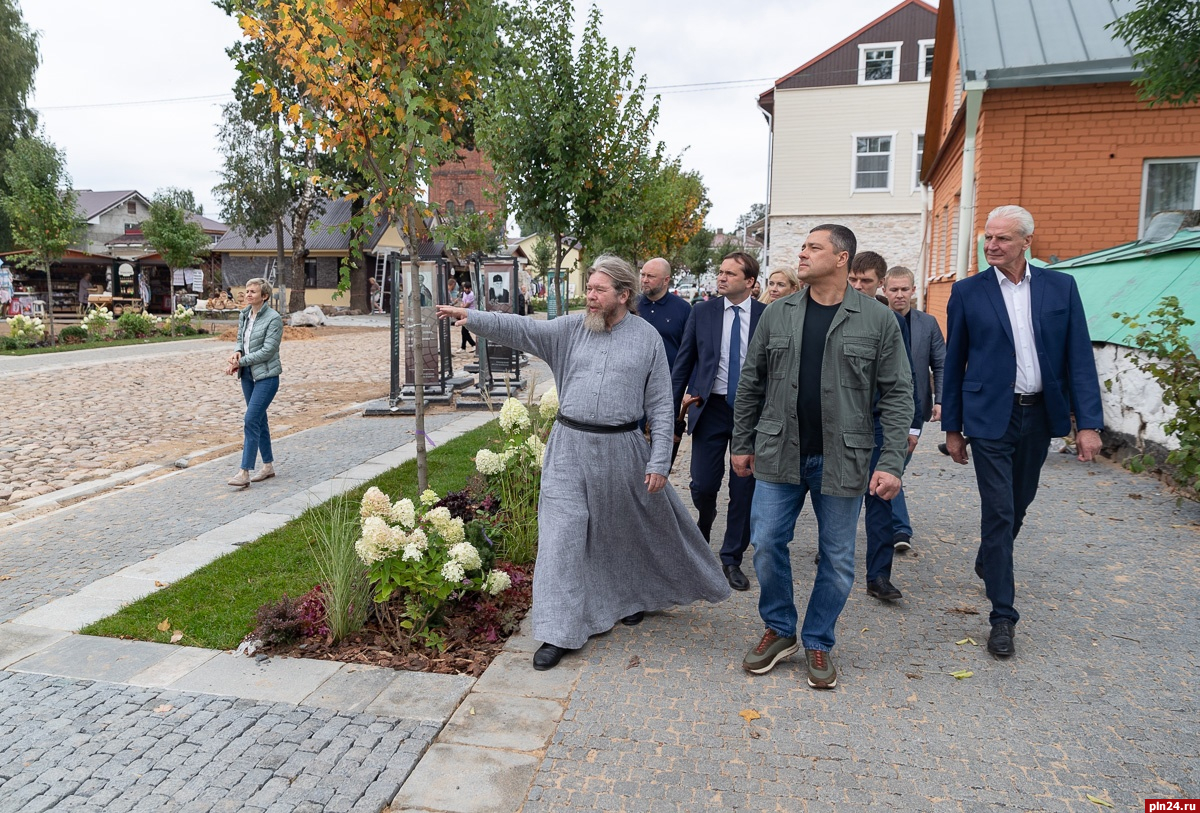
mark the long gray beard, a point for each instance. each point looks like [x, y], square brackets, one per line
[595, 322]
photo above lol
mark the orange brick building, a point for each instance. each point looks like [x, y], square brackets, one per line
[1058, 129]
[467, 184]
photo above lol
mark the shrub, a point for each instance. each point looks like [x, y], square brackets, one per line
[282, 622]
[345, 589]
[97, 321]
[1173, 365]
[24, 331]
[420, 562]
[135, 325]
[73, 334]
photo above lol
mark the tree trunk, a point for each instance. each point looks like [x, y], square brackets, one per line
[50, 305]
[300, 218]
[563, 307]
[360, 296]
[415, 323]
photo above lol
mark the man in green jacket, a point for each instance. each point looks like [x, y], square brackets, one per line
[803, 426]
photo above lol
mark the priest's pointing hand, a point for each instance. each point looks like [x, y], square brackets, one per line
[459, 315]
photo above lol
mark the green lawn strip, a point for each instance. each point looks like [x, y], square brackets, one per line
[214, 607]
[66, 348]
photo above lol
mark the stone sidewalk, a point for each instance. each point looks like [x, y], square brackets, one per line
[1100, 699]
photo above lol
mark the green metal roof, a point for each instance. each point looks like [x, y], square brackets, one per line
[1133, 278]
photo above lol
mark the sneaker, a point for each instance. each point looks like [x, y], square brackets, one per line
[821, 672]
[883, 589]
[902, 543]
[770, 650]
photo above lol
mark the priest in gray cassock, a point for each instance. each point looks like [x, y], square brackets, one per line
[614, 539]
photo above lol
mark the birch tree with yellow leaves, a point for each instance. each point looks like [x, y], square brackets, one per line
[381, 86]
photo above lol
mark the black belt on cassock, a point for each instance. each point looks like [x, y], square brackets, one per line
[596, 428]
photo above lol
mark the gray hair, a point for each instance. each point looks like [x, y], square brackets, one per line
[1017, 214]
[625, 279]
[264, 287]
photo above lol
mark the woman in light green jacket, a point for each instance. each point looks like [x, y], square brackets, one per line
[256, 362]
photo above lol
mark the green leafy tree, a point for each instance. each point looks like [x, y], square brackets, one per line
[41, 207]
[756, 213]
[19, 61]
[567, 130]
[1164, 36]
[699, 256]
[181, 241]
[472, 232]
[669, 210]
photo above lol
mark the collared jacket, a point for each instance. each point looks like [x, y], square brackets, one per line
[864, 357]
[263, 358]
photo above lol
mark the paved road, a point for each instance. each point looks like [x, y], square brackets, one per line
[1100, 699]
[81, 416]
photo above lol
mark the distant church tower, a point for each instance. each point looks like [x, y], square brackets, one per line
[465, 184]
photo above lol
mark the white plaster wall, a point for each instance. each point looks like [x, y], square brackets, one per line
[897, 237]
[1133, 405]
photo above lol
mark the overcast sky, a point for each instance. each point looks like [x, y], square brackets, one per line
[132, 90]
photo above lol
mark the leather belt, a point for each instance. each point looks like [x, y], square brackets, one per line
[596, 428]
[1027, 398]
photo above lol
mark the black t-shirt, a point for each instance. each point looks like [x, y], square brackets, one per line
[817, 319]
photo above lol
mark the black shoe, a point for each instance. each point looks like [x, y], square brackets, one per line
[902, 543]
[817, 559]
[736, 578]
[548, 656]
[942, 448]
[1000, 642]
[633, 620]
[883, 589]
[979, 570]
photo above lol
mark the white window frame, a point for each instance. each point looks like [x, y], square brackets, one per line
[916, 157]
[1146, 164]
[923, 47]
[879, 46]
[854, 190]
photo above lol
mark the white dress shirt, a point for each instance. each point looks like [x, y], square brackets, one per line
[1019, 304]
[721, 382]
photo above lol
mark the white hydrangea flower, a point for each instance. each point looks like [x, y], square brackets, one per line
[488, 462]
[537, 448]
[465, 554]
[548, 406]
[375, 504]
[453, 571]
[376, 541]
[404, 512]
[497, 582]
[513, 416]
[419, 539]
[429, 497]
[412, 553]
[437, 516]
[454, 531]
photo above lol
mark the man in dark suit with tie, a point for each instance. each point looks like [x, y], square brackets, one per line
[1018, 361]
[929, 362]
[707, 368]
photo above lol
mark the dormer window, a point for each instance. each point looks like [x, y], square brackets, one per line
[924, 60]
[879, 63]
[131, 208]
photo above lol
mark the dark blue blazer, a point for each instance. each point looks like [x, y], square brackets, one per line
[981, 358]
[699, 355]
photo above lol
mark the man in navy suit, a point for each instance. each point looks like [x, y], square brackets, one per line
[707, 368]
[1018, 361]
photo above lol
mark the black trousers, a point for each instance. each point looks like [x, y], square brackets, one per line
[710, 462]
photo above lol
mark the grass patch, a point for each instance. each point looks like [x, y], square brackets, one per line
[67, 348]
[215, 606]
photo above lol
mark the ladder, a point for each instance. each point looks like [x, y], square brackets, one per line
[270, 272]
[381, 269]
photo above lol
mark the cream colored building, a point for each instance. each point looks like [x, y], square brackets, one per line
[847, 131]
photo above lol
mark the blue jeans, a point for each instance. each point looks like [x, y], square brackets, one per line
[1007, 472]
[259, 395]
[772, 525]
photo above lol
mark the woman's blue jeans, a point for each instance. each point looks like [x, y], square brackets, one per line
[772, 526]
[259, 395]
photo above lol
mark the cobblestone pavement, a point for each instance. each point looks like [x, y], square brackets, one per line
[76, 417]
[82, 745]
[1100, 698]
